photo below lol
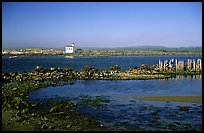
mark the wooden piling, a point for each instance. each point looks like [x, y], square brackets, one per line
[180, 65]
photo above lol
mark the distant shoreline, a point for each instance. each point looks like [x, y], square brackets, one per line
[107, 52]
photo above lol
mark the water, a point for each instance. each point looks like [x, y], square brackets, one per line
[124, 90]
[28, 63]
[121, 113]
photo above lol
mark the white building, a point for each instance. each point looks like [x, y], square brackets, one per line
[69, 48]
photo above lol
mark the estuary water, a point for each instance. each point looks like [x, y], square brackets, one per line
[28, 63]
[124, 90]
[122, 112]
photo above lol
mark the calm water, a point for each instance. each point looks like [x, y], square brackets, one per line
[23, 64]
[124, 90]
[121, 113]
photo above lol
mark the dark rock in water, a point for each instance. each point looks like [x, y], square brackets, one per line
[68, 69]
[144, 67]
[171, 126]
[6, 77]
[14, 74]
[133, 68]
[188, 126]
[52, 69]
[184, 108]
[116, 67]
[177, 122]
[87, 68]
[38, 68]
[155, 113]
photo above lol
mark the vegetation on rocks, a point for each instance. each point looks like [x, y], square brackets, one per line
[88, 72]
[21, 114]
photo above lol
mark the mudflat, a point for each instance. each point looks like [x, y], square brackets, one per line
[193, 99]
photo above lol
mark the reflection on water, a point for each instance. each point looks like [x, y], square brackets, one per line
[69, 57]
[189, 76]
[185, 77]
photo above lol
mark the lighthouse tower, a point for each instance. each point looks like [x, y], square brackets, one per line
[70, 48]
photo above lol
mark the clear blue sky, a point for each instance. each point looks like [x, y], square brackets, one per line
[101, 24]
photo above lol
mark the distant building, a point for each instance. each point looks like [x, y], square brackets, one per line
[69, 48]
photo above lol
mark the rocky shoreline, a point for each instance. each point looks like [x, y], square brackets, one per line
[91, 73]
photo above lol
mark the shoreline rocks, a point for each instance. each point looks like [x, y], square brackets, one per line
[90, 73]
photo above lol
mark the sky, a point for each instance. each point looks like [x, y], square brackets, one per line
[101, 24]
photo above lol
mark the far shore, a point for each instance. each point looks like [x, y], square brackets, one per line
[195, 51]
[191, 99]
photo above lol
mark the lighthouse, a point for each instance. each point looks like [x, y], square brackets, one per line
[70, 48]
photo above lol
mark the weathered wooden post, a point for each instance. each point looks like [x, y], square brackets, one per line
[160, 65]
[189, 64]
[194, 65]
[182, 65]
[165, 65]
[170, 64]
[198, 65]
[176, 64]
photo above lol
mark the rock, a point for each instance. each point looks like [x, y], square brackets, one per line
[52, 69]
[19, 77]
[6, 77]
[184, 108]
[38, 68]
[133, 68]
[144, 67]
[116, 67]
[14, 89]
[14, 74]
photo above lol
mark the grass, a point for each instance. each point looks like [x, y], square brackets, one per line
[192, 99]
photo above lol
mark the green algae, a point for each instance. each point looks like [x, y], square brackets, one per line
[52, 115]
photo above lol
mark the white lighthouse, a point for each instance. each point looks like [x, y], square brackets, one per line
[69, 48]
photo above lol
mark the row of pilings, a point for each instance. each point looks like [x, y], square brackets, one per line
[180, 65]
